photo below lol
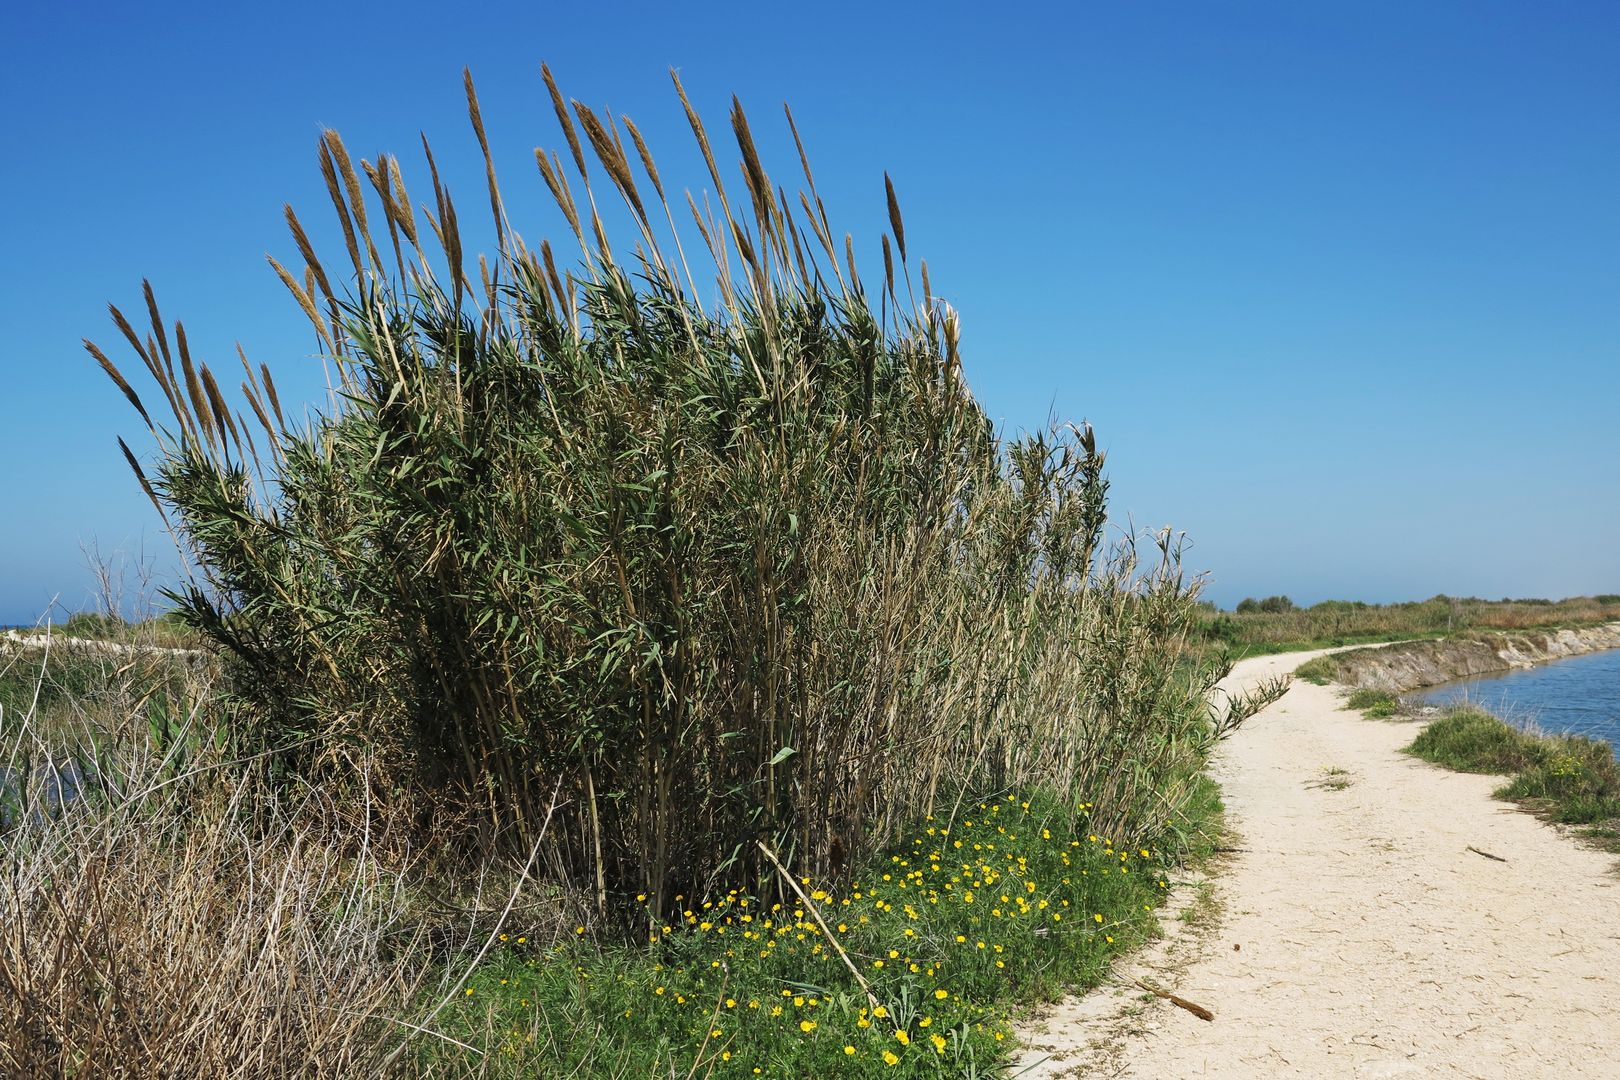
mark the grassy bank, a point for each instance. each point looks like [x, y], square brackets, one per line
[1570, 779]
[1275, 625]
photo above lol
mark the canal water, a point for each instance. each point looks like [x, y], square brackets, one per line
[1579, 695]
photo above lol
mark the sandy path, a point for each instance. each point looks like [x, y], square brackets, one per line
[1373, 943]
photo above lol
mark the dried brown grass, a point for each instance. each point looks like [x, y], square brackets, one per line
[178, 915]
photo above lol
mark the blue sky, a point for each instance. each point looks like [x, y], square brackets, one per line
[1338, 284]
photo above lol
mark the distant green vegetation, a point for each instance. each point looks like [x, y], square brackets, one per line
[1271, 605]
[1276, 624]
[165, 630]
[1570, 779]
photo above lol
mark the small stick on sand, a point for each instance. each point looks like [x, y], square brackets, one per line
[1197, 1010]
[1487, 854]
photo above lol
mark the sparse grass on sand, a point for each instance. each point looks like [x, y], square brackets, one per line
[1374, 704]
[1320, 670]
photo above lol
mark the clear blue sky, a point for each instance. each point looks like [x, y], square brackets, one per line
[1339, 285]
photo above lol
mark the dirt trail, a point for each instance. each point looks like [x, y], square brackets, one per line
[1358, 936]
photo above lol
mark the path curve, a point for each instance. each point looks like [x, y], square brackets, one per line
[1359, 936]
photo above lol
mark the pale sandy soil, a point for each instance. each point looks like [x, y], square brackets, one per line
[1354, 934]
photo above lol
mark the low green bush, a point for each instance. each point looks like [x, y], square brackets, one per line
[1469, 740]
[1376, 704]
[1577, 775]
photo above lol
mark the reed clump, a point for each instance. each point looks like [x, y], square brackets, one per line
[579, 567]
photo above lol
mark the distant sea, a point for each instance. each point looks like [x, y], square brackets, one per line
[1579, 695]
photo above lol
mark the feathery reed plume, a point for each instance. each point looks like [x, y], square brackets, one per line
[700, 134]
[895, 223]
[888, 268]
[134, 341]
[303, 298]
[563, 297]
[118, 380]
[270, 392]
[798, 143]
[330, 175]
[306, 249]
[140, 477]
[252, 396]
[612, 159]
[793, 235]
[477, 118]
[759, 185]
[646, 157]
[157, 328]
[563, 119]
[378, 174]
[351, 185]
[444, 227]
[200, 413]
[403, 208]
[551, 172]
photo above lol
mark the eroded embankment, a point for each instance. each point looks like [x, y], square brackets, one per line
[1409, 665]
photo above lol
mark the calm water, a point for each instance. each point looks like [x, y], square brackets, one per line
[1580, 695]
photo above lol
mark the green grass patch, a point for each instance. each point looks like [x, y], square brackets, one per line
[1468, 740]
[1574, 778]
[1375, 704]
[1321, 670]
[953, 929]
